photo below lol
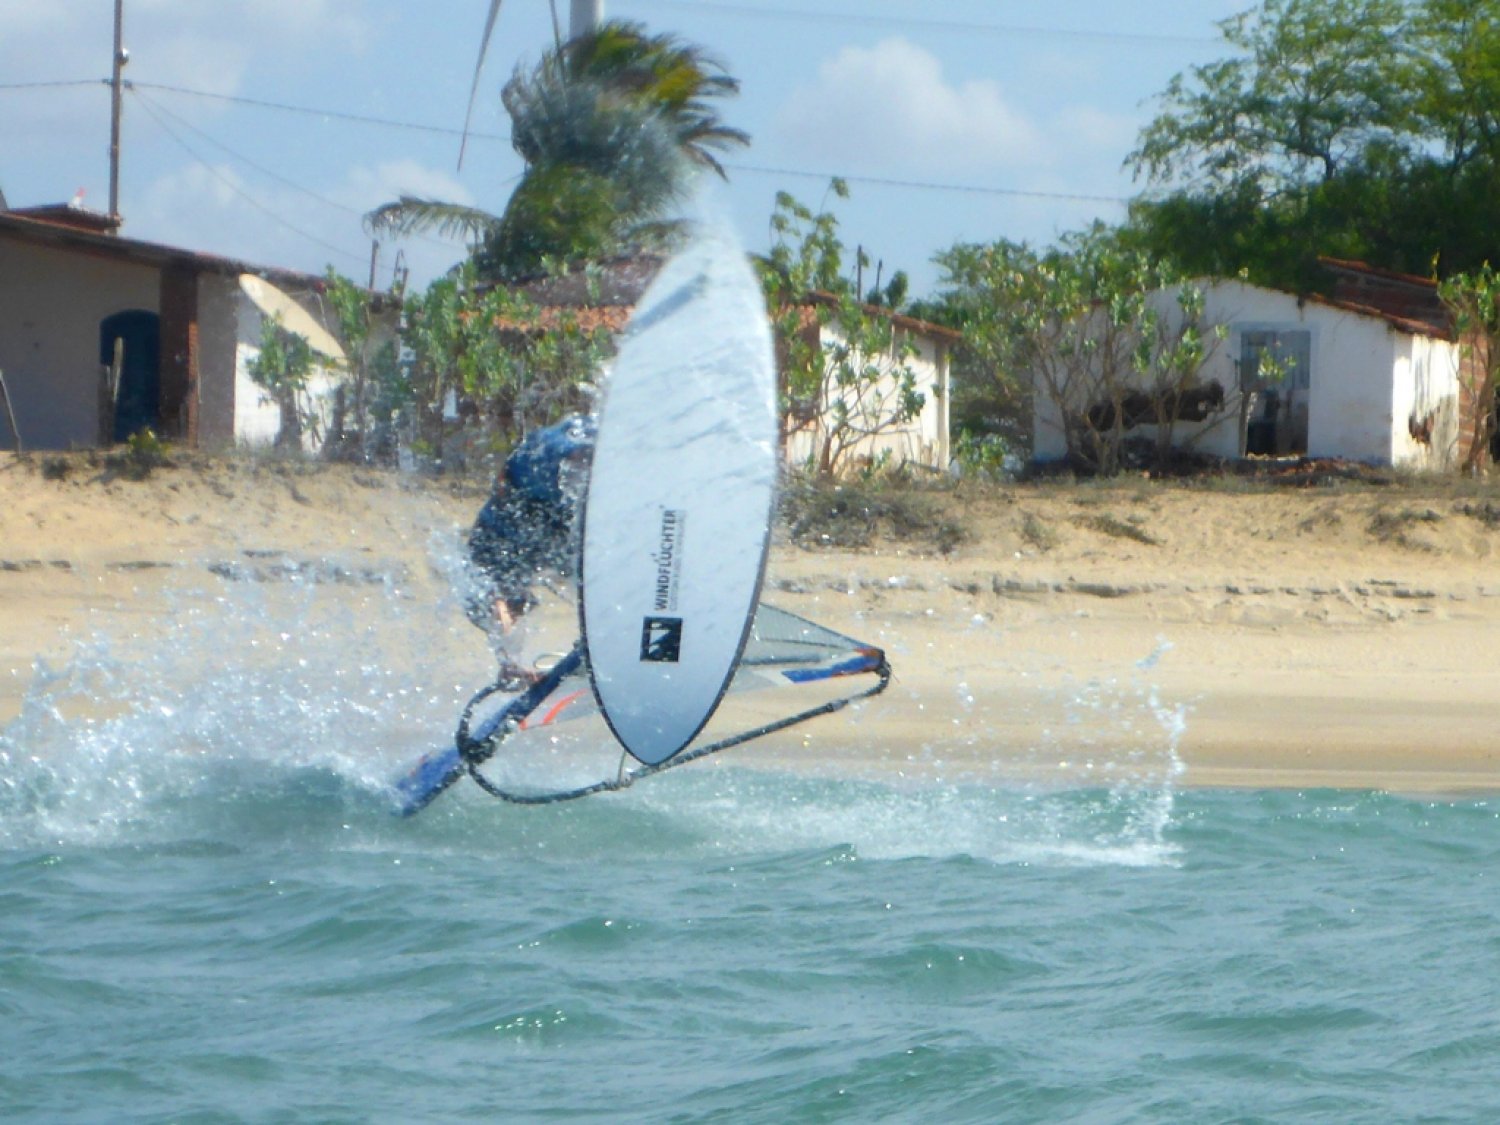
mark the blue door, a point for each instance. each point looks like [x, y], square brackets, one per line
[138, 396]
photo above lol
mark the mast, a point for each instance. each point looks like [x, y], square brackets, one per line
[584, 16]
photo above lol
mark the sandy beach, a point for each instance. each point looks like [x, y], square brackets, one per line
[1236, 635]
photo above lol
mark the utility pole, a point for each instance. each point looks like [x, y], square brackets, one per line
[584, 16]
[116, 87]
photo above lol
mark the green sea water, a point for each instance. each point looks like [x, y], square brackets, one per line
[209, 914]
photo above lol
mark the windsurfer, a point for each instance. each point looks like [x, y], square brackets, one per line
[528, 527]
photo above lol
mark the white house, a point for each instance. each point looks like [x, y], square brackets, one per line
[77, 299]
[604, 295]
[1348, 381]
[869, 436]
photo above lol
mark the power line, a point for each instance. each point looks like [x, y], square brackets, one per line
[874, 180]
[237, 190]
[141, 96]
[358, 118]
[964, 27]
[977, 189]
[49, 85]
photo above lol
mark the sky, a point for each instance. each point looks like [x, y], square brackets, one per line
[265, 129]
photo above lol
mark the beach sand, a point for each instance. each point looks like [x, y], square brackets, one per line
[1248, 636]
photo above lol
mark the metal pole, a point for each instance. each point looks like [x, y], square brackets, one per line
[584, 16]
[116, 86]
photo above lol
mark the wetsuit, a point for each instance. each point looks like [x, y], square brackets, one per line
[528, 524]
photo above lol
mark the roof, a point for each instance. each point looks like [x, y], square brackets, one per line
[1352, 266]
[73, 215]
[900, 320]
[48, 231]
[614, 282]
[603, 295]
[1412, 326]
[1403, 298]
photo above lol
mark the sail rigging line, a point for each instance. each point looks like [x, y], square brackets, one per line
[475, 751]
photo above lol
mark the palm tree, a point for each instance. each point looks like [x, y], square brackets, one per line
[610, 125]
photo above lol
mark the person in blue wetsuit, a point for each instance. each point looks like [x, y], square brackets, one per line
[527, 528]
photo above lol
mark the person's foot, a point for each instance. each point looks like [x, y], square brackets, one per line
[513, 677]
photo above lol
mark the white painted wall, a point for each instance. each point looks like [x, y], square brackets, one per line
[1367, 378]
[1353, 364]
[1426, 397]
[51, 305]
[257, 419]
[924, 440]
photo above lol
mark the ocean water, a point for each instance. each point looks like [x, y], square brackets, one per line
[208, 913]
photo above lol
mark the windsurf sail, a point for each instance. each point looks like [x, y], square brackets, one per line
[542, 746]
[677, 522]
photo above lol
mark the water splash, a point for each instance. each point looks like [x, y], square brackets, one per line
[286, 704]
[250, 682]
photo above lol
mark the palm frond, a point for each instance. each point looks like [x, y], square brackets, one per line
[410, 215]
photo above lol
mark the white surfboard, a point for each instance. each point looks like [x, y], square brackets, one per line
[677, 519]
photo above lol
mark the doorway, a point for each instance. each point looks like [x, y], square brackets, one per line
[1276, 378]
[137, 397]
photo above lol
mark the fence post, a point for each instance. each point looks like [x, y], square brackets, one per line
[10, 412]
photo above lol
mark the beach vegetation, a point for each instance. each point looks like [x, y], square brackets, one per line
[1117, 528]
[283, 369]
[1398, 526]
[1038, 533]
[825, 512]
[484, 360]
[1473, 300]
[846, 366]
[372, 390]
[1076, 325]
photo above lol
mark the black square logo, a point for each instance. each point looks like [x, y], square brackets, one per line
[661, 639]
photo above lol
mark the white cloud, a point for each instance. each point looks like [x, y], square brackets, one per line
[891, 107]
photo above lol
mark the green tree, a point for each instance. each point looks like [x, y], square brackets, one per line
[1077, 326]
[1473, 299]
[610, 125]
[848, 379]
[372, 389]
[1351, 128]
[1314, 86]
[505, 364]
[283, 369]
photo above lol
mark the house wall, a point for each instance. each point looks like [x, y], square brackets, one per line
[219, 311]
[1353, 368]
[1366, 379]
[924, 440]
[1425, 405]
[51, 304]
[257, 419]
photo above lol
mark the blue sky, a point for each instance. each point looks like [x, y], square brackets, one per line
[264, 129]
